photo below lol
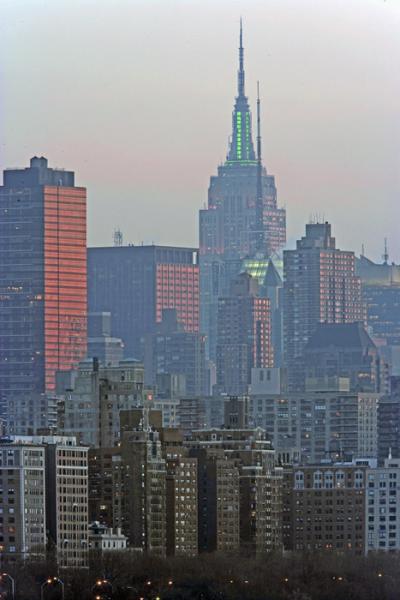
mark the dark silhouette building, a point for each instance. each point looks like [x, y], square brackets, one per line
[242, 215]
[344, 350]
[42, 278]
[136, 283]
[171, 349]
[320, 286]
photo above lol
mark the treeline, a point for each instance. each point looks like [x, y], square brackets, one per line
[219, 577]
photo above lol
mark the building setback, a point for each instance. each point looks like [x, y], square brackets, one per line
[42, 278]
[136, 283]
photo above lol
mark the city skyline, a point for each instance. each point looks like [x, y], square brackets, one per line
[329, 113]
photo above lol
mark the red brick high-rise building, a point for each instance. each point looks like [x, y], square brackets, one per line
[320, 286]
[43, 299]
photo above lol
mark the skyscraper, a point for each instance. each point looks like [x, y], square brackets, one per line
[243, 335]
[136, 283]
[242, 216]
[320, 286]
[42, 278]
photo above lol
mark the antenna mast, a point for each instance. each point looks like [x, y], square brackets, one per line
[118, 237]
[259, 220]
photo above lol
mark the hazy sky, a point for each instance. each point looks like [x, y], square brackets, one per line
[136, 96]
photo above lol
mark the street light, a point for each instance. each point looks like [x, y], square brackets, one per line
[100, 583]
[11, 580]
[50, 581]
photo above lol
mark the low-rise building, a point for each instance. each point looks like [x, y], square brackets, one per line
[106, 539]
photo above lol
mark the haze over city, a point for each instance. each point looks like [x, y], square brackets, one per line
[136, 98]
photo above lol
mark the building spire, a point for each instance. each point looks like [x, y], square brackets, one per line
[241, 149]
[241, 62]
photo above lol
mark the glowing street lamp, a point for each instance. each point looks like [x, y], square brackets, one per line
[7, 576]
[51, 581]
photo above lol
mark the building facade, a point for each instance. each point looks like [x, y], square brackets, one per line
[43, 299]
[136, 283]
[320, 286]
[22, 501]
[243, 336]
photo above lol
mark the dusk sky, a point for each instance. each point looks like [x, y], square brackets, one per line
[136, 97]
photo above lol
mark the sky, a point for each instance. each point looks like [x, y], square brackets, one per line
[136, 97]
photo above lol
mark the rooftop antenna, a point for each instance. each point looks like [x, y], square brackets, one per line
[362, 250]
[385, 255]
[118, 237]
[259, 220]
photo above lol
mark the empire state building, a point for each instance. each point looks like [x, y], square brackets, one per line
[242, 218]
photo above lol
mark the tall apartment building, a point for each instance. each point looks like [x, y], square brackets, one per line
[327, 508]
[22, 501]
[235, 489]
[136, 283]
[45, 501]
[320, 286]
[242, 215]
[243, 335]
[319, 425]
[42, 278]
[92, 408]
[389, 423]
[67, 500]
[172, 350]
[140, 485]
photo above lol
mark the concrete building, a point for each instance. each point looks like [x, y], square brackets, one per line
[108, 350]
[67, 500]
[64, 500]
[92, 408]
[22, 500]
[318, 425]
[320, 285]
[136, 283]
[29, 414]
[327, 507]
[43, 279]
[105, 539]
[243, 336]
[382, 513]
[242, 215]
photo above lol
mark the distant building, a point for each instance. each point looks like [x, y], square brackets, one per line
[105, 539]
[92, 408]
[101, 345]
[389, 423]
[172, 350]
[43, 302]
[320, 286]
[243, 336]
[319, 425]
[338, 350]
[136, 283]
[382, 514]
[242, 214]
[381, 293]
